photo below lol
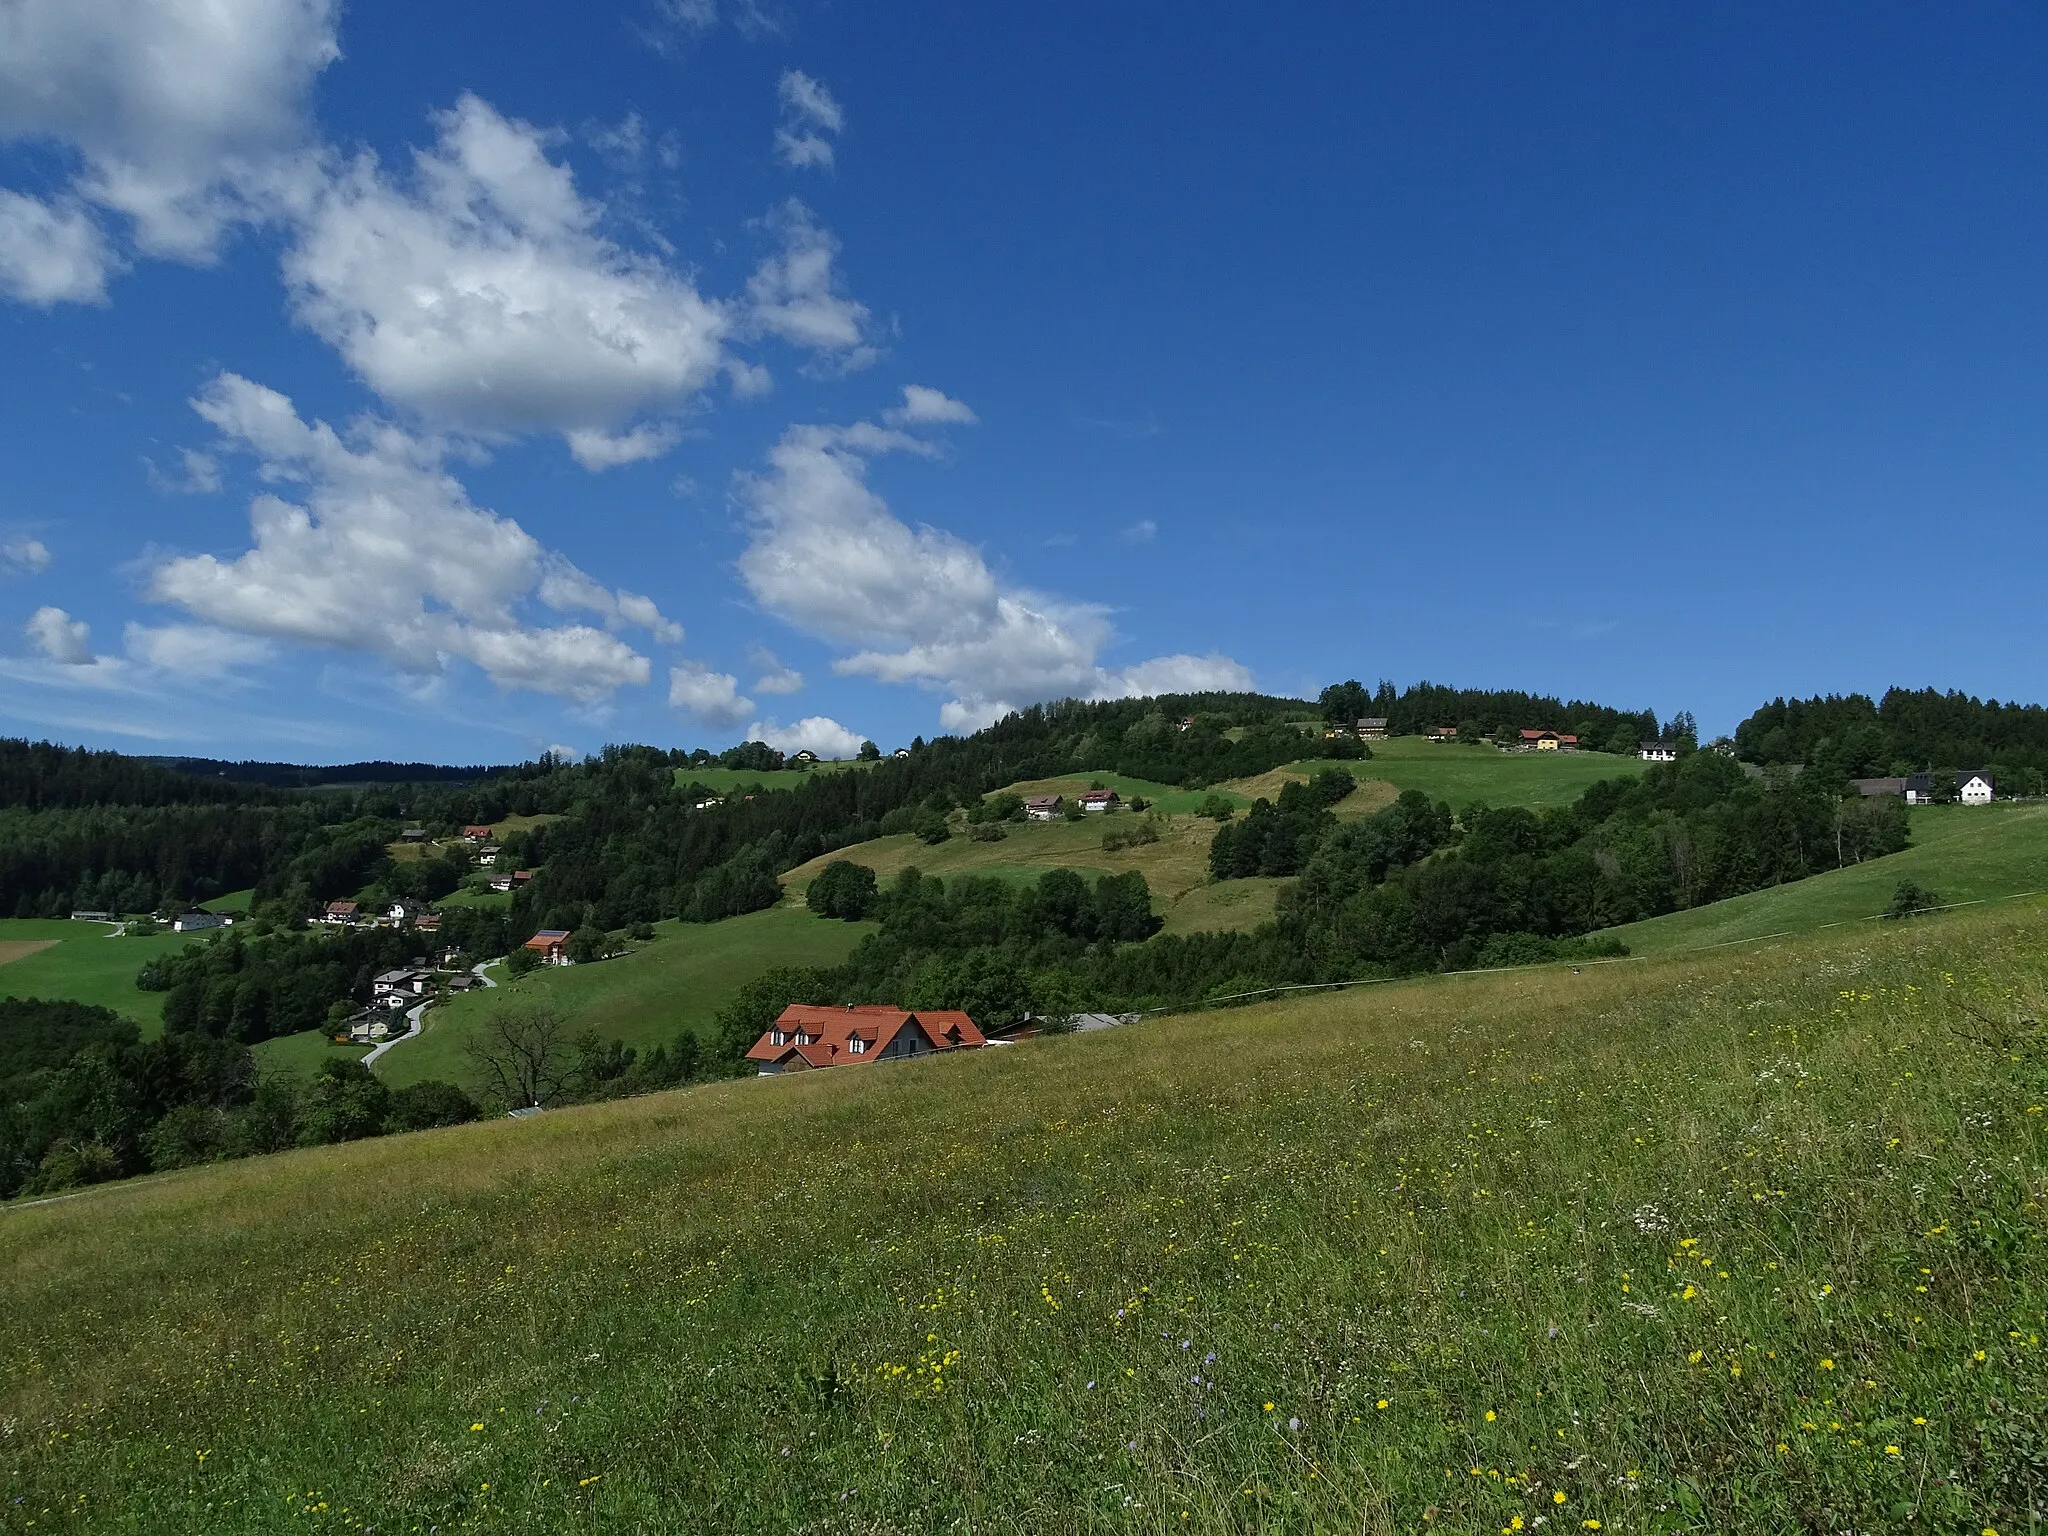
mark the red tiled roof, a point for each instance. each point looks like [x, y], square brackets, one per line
[831, 1031]
[477, 832]
[548, 938]
[1539, 735]
[1098, 794]
[341, 908]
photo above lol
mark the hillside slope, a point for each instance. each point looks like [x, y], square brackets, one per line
[1962, 853]
[1727, 1243]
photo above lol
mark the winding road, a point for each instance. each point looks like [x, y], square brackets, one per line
[415, 1016]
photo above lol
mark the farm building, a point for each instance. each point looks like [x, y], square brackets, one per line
[1975, 787]
[195, 922]
[1549, 741]
[341, 912]
[805, 1037]
[1045, 807]
[1441, 733]
[552, 945]
[1372, 728]
[1100, 800]
[477, 834]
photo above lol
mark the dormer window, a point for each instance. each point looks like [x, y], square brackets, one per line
[857, 1045]
[777, 1037]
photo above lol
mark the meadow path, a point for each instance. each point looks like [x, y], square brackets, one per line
[415, 1016]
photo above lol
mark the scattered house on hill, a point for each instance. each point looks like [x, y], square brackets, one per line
[1976, 787]
[804, 1037]
[1187, 722]
[805, 758]
[501, 882]
[1045, 807]
[1658, 751]
[521, 877]
[1372, 728]
[94, 917]
[462, 981]
[1549, 741]
[709, 802]
[401, 988]
[413, 835]
[1336, 733]
[405, 911]
[1919, 789]
[487, 858]
[1878, 789]
[478, 835]
[1100, 800]
[428, 922]
[901, 752]
[1441, 733]
[369, 1028]
[552, 945]
[198, 922]
[341, 912]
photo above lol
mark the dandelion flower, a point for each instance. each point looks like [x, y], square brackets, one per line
[1269, 1407]
[474, 1428]
[1491, 1415]
[1557, 1497]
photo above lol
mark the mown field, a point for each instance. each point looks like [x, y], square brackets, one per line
[1465, 775]
[725, 780]
[83, 964]
[645, 998]
[1962, 853]
[1744, 1242]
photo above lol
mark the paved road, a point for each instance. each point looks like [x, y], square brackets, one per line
[415, 1016]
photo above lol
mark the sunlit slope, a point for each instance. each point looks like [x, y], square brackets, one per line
[1961, 853]
[1747, 1241]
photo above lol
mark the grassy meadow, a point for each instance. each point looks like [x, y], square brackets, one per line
[645, 998]
[1741, 1242]
[1469, 775]
[727, 780]
[1176, 867]
[82, 963]
[1963, 853]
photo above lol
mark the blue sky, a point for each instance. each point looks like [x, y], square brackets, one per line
[675, 370]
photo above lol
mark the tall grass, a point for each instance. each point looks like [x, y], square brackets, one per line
[1743, 1243]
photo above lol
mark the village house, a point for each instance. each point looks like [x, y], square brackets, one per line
[405, 911]
[370, 1028]
[501, 882]
[552, 945]
[709, 802]
[94, 917]
[805, 1037]
[1659, 751]
[1878, 789]
[478, 835]
[1975, 787]
[1100, 800]
[400, 988]
[198, 922]
[805, 758]
[413, 835]
[1372, 728]
[487, 858]
[1045, 808]
[1441, 733]
[901, 752]
[1336, 733]
[428, 922]
[1548, 741]
[343, 912]
[462, 981]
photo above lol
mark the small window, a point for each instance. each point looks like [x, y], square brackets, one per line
[857, 1045]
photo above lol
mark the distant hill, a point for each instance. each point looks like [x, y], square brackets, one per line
[312, 776]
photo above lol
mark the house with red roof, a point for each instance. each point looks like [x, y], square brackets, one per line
[805, 1037]
[551, 944]
[477, 834]
[1549, 741]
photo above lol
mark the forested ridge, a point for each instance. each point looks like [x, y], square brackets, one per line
[1907, 731]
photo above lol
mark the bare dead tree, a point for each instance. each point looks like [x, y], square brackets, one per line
[526, 1055]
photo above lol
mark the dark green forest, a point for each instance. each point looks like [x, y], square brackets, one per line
[1907, 731]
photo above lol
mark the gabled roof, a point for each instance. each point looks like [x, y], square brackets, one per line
[829, 1032]
[342, 908]
[1540, 735]
[478, 832]
[1097, 794]
[1042, 802]
[548, 938]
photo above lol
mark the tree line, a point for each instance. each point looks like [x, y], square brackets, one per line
[1907, 731]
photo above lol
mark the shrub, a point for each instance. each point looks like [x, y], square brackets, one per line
[987, 832]
[1910, 899]
[1216, 808]
[844, 889]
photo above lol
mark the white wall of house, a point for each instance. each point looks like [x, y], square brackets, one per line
[1975, 791]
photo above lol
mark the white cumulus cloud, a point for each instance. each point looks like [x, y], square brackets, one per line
[713, 697]
[24, 556]
[480, 293]
[794, 294]
[775, 678]
[60, 637]
[814, 733]
[809, 114]
[926, 407]
[51, 253]
[919, 605]
[384, 553]
[186, 116]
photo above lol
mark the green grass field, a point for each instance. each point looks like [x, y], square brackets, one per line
[1469, 775]
[302, 1054]
[1962, 853]
[85, 965]
[645, 998]
[1740, 1242]
[727, 780]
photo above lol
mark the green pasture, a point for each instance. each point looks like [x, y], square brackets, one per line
[645, 998]
[303, 1053]
[85, 965]
[1467, 775]
[1963, 853]
[1737, 1242]
[727, 780]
